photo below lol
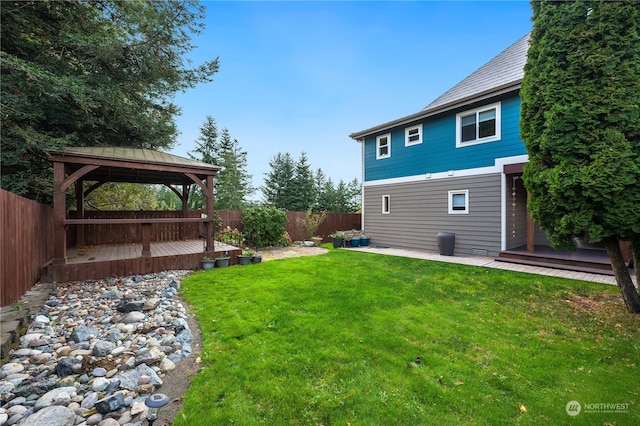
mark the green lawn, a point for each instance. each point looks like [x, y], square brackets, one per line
[333, 340]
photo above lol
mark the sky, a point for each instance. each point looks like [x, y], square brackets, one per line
[301, 76]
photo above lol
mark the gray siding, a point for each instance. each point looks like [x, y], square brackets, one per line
[419, 210]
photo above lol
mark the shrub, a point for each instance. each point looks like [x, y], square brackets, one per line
[264, 225]
[231, 236]
[310, 223]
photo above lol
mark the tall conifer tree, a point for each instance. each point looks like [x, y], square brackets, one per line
[85, 73]
[279, 189]
[580, 122]
[304, 184]
[233, 183]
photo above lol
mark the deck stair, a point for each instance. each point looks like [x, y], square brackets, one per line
[582, 260]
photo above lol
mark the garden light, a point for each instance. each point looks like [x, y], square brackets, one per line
[155, 402]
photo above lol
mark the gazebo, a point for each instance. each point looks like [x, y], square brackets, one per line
[99, 165]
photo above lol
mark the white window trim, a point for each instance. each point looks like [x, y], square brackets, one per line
[407, 142]
[496, 137]
[378, 138]
[386, 204]
[466, 201]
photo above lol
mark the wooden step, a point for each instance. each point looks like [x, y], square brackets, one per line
[550, 263]
[569, 259]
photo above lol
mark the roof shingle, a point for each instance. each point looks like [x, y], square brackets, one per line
[506, 69]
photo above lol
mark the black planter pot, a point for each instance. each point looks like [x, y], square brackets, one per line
[244, 260]
[222, 262]
[337, 242]
[256, 259]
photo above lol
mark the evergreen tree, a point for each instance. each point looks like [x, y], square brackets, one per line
[81, 73]
[319, 181]
[233, 183]
[341, 198]
[303, 181]
[354, 191]
[279, 189]
[581, 125]
[207, 144]
[206, 150]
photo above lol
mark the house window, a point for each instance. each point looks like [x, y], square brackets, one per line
[459, 202]
[386, 204]
[413, 135]
[383, 146]
[478, 125]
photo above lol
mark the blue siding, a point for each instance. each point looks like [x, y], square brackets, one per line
[438, 152]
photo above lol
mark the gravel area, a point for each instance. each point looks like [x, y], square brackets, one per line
[98, 348]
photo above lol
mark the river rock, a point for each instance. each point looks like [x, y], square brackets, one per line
[11, 368]
[130, 306]
[55, 415]
[133, 317]
[103, 348]
[81, 353]
[110, 403]
[83, 333]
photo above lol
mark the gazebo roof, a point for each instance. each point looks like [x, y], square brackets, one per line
[134, 165]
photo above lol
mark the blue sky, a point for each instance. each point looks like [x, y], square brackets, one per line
[302, 76]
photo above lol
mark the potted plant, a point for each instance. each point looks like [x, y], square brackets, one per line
[336, 239]
[245, 257]
[316, 240]
[207, 262]
[347, 239]
[364, 240]
[222, 261]
[256, 258]
[355, 240]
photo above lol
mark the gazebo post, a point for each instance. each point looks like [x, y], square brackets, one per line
[146, 239]
[80, 212]
[185, 207]
[59, 213]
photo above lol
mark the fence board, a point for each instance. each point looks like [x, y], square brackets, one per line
[27, 244]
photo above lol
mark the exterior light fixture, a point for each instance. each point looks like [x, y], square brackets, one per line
[155, 402]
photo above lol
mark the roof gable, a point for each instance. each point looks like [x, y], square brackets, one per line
[142, 155]
[134, 165]
[506, 69]
[503, 73]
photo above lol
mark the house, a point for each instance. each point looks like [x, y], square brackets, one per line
[454, 166]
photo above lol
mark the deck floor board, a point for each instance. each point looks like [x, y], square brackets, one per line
[132, 251]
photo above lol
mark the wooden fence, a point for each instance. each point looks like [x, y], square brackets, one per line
[26, 227]
[127, 233]
[332, 223]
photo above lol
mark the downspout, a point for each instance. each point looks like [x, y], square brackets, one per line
[503, 211]
[361, 141]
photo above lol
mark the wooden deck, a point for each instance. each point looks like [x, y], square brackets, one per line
[126, 259]
[581, 260]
